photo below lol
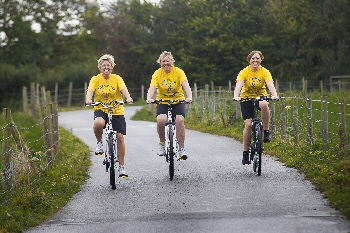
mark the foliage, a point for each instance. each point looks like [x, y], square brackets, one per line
[51, 189]
[210, 39]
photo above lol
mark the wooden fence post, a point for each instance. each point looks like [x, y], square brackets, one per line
[47, 129]
[7, 152]
[325, 119]
[342, 125]
[25, 100]
[32, 99]
[238, 112]
[309, 120]
[194, 92]
[37, 100]
[85, 91]
[296, 122]
[283, 119]
[70, 94]
[142, 92]
[273, 118]
[56, 92]
[55, 128]
[206, 91]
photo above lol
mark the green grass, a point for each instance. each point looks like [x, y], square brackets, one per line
[47, 190]
[324, 164]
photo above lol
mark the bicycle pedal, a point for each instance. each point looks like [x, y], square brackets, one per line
[99, 154]
[123, 176]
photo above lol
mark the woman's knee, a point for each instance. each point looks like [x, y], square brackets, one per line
[120, 137]
[99, 123]
[162, 119]
[179, 120]
[248, 124]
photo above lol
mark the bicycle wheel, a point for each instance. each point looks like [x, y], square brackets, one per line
[171, 154]
[112, 165]
[259, 146]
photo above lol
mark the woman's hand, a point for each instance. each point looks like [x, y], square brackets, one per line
[129, 100]
[189, 100]
[149, 101]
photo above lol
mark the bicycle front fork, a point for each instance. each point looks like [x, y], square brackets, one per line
[170, 129]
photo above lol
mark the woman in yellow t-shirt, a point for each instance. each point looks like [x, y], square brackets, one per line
[251, 82]
[108, 87]
[172, 84]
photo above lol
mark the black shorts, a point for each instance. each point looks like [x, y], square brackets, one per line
[178, 109]
[247, 108]
[118, 121]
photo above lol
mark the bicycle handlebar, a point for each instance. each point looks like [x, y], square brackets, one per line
[169, 101]
[105, 105]
[259, 98]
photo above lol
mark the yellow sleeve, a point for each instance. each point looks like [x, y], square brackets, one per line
[155, 78]
[93, 83]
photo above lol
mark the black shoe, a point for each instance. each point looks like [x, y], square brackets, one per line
[245, 159]
[267, 137]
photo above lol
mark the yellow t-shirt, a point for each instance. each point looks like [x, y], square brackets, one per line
[254, 83]
[169, 85]
[107, 90]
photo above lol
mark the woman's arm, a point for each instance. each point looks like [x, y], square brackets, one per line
[126, 93]
[188, 91]
[237, 91]
[272, 89]
[150, 93]
[89, 94]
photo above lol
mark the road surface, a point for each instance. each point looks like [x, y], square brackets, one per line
[210, 192]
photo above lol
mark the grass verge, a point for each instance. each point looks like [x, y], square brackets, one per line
[49, 190]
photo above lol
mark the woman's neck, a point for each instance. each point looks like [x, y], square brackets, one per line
[254, 69]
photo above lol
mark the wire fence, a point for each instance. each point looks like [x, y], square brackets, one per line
[21, 160]
[298, 119]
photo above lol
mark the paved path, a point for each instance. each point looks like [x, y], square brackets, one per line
[211, 191]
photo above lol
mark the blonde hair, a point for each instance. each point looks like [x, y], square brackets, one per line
[166, 54]
[106, 57]
[251, 54]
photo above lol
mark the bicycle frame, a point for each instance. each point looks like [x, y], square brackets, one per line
[257, 145]
[171, 143]
[110, 154]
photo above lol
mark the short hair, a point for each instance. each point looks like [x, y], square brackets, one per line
[250, 55]
[105, 57]
[165, 54]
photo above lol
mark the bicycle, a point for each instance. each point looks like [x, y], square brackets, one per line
[110, 159]
[171, 144]
[256, 148]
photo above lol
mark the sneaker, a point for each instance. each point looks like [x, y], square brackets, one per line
[121, 171]
[245, 160]
[99, 148]
[161, 149]
[182, 154]
[267, 137]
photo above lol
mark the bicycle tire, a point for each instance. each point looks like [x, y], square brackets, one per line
[171, 154]
[106, 162]
[112, 164]
[259, 146]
